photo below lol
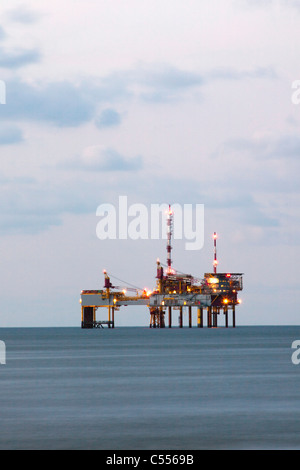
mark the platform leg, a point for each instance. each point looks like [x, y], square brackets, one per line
[113, 317]
[208, 317]
[190, 317]
[180, 318]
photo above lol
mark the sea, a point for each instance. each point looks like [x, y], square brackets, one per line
[137, 388]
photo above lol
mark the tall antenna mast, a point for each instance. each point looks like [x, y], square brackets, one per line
[169, 236]
[215, 263]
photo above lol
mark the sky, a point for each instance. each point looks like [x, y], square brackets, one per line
[164, 102]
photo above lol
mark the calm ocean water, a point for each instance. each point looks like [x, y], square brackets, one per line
[137, 388]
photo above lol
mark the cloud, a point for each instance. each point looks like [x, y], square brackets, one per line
[254, 3]
[23, 14]
[59, 103]
[266, 148]
[286, 147]
[45, 203]
[268, 3]
[97, 158]
[30, 206]
[10, 135]
[41, 205]
[264, 167]
[292, 3]
[224, 73]
[108, 118]
[244, 208]
[164, 82]
[23, 223]
[2, 34]
[19, 58]
[67, 104]
[62, 103]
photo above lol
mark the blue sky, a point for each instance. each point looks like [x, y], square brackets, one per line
[164, 102]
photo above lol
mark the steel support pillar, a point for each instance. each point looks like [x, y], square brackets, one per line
[226, 316]
[215, 317]
[208, 317]
[87, 317]
[180, 318]
[200, 317]
[170, 316]
[190, 317]
[161, 318]
[113, 317]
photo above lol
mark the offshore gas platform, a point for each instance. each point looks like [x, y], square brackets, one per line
[216, 293]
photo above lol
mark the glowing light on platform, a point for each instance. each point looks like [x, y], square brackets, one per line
[213, 280]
